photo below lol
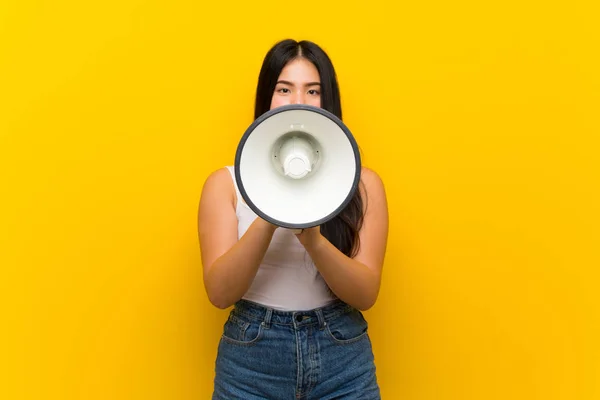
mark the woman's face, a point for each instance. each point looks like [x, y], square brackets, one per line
[298, 83]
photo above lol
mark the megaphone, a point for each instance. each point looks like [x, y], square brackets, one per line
[297, 166]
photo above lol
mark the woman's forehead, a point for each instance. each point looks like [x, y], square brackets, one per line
[300, 70]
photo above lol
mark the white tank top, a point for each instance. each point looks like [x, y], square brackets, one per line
[287, 278]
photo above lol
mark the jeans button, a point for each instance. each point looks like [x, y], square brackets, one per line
[298, 318]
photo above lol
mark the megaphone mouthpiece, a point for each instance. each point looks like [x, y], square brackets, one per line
[298, 157]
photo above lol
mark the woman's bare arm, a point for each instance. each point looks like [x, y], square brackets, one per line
[355, 280]
[229, 265]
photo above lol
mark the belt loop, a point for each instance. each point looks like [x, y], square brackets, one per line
[321, 318]
[267, 321]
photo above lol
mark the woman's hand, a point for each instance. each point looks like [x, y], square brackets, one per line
[271, 228]
[310, 237]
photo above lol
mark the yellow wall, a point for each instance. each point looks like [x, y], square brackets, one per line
[482, 119]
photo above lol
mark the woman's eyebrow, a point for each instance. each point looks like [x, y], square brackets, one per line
[306, 84]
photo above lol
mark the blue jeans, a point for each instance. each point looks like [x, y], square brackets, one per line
[319, 354]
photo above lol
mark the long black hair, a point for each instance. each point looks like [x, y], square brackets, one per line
[342, 230]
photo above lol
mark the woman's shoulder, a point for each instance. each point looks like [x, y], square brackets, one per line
[370, 178]
[372, 188]
[220, 182]
[218, 177]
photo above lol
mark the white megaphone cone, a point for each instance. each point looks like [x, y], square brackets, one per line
[297, 166]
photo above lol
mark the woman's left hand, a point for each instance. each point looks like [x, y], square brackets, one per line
[310, 237]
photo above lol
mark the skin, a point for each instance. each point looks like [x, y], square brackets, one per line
[230, 265]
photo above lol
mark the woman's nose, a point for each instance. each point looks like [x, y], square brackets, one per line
[299, 98]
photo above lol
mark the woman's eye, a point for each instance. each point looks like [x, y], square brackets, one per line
[313, 92]
[284, 90]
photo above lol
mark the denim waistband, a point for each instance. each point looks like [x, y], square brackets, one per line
[269, 316]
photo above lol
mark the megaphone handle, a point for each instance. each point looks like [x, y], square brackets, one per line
[296, 231]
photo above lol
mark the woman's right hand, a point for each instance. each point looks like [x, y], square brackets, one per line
[271, 228]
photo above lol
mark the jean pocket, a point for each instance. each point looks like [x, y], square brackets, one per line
[241, 331]
[347, 328]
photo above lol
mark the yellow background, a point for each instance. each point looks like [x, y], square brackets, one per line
[481, 117]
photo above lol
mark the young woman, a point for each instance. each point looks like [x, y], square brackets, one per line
[296, 330]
